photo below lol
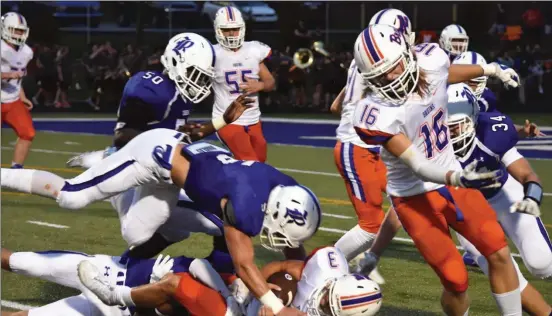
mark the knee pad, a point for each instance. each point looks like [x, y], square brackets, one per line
[537, 258]
[453, 275]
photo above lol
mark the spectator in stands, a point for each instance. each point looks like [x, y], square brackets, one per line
[63, 69]
[302, 37]
[499, 25]
[47, 76]
[533, 24]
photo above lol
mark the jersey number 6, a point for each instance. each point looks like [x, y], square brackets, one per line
[439, 138]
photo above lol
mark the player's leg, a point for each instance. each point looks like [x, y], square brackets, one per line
[531, 300]
[78, 305]
[19, 118]
[361, 170]
[527, 232]
[423, 219]
[150, 209]
[479, 225]
[258, 141]
[238, 142]
[55, 266]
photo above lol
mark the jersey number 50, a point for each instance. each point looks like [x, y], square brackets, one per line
[439, 138]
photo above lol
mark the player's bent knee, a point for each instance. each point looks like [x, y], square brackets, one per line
[499, 257]
[454, 276]
[27, 134]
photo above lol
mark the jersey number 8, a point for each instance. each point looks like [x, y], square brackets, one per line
[439, 138]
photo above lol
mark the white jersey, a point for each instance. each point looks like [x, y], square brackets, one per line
[325, 264]
[231, 70]
[353, 93]
[423, 121]
[13, 60]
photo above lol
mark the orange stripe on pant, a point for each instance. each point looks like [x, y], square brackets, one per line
[427, 217]
[19, 118]
[364, 174]
[246, 142]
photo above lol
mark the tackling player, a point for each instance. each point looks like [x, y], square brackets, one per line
[60, 267]
[15, 105]
[251, 198]
[240, 68]
[405, 112]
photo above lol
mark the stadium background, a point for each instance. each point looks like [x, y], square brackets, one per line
[83, 47]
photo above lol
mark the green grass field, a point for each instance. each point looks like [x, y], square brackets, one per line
[412, 288]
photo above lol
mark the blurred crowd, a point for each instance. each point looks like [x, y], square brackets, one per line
[97, 76]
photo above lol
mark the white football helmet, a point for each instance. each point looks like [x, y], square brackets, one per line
[378, 50]
[473, 58]
[229, 18]
[462, 117]
[189, 60]
[454, 40]
[14, 28]
[397, 19]
[349, 295]
[292, 215]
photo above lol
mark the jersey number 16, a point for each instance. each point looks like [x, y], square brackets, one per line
[439, 138]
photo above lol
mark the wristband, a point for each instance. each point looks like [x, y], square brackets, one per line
[533, 190]
[218, 123]
[489, 69]
[269, 299]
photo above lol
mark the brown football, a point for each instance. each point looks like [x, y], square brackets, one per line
[287, 283]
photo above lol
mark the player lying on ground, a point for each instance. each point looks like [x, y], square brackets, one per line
[405, 111]
[325, 287]
[61, 267]
[16, 107]
[251, 198]
[490, 138]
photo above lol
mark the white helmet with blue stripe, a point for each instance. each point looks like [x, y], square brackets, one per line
[226, 19]
[14, 28]
[189, 61]
[292, 215]
[385, 62]
[463, 110]
[349, 295]
[454, 40]
[473, 58]
[397, 19]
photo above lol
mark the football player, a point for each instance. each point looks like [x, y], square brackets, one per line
[360, 164]
[15, 105]
[405, 112]
[251, 198]
[454, 40]
[61, 267]
[240, 67]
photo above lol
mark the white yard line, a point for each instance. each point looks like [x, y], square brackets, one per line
[47, 224]
[15, 305]
[337, 216]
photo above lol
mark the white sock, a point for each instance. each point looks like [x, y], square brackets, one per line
[355, 242]
[32, 181]
[509, 303]
[122, 295]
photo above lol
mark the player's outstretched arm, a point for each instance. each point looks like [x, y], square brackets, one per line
[400, 146]
[197, 131]
[337, 104]
[242, 252]
[460, 73]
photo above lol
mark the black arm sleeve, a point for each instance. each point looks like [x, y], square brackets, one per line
[136, 114]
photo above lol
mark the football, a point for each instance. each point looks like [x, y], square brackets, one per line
[287, 283]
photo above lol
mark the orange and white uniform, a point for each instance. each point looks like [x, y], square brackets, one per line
[359, 163]
[427, 209]
[14, 111]
[244, 137]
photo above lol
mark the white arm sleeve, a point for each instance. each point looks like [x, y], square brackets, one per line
[202, 270]
[422, 167]
[511, 156]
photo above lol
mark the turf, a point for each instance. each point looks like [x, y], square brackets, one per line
[411, 288]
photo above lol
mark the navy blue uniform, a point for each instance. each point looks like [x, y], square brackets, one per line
[151, 100]
[487, 101]
[495, 135]
[215, 175]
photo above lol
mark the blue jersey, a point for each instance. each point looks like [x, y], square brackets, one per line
[487, 101]
[151, 100]
[214, 175]
[495, 135]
